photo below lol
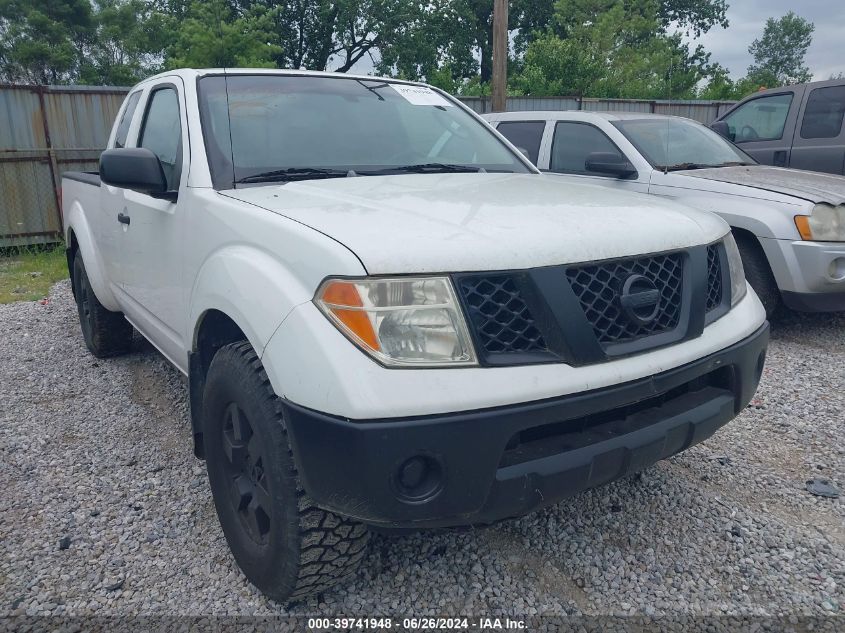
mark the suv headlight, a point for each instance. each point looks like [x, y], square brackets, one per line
[738, 287]
[824, 224]
[405, 321]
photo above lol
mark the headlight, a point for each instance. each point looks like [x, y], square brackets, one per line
[825, 224]
[738, 287]
[408, 321]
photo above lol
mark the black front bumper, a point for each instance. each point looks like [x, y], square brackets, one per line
[483, 466]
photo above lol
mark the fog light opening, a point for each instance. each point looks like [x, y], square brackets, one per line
[418, 479]
[836, 270]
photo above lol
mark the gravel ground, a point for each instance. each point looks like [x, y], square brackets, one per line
[105, 510]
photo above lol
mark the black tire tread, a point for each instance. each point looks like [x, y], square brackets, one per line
[111, 333]
[759, 273]
[330, 546]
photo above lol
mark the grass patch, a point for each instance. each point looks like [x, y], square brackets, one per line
[26, 274]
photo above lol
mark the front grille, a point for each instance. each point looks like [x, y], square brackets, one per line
[502, 321]
[598, 288]
[714, 278]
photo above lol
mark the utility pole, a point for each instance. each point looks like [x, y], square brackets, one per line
[500, 55]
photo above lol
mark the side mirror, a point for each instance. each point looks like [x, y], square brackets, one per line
[610, 163]
[722, 129]
[134, 168]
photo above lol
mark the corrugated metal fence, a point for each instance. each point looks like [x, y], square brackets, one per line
[704, 111]
[45, 131]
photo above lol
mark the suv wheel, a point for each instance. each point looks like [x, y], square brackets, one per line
[758, 273]
[285, 545]
[106, 333]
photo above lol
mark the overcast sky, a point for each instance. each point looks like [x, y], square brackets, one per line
[825, 57]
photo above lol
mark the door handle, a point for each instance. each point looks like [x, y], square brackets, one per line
[123, 218]
[779, 158]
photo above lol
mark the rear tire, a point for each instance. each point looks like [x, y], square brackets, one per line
[759, 273]
[285, 545]
[106, 333]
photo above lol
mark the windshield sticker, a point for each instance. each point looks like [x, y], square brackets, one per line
[420, 95]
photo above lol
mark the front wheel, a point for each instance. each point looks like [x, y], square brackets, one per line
[285, 545]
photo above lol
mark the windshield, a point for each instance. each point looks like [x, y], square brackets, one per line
[680, 144]
[268, 128]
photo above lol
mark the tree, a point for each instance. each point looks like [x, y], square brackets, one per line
[779, 53]
[129, 42]
[319, 34]
[41, 41]
[214, 35]
[613, 49]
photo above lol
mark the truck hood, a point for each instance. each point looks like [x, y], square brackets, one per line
[467, 222]
[807, 185]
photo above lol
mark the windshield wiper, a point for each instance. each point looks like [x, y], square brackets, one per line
[296, 173]
[682, 166]
[686, 166]
[426, 168]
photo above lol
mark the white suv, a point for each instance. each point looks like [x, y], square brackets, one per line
[386, 315]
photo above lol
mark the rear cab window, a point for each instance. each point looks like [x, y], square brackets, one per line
[824, 113]
[525, 135]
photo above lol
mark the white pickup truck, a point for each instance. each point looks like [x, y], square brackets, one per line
[388, 317]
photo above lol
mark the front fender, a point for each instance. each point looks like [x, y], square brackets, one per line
[77, 224]
[251, 287]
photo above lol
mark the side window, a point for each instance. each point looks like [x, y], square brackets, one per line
[824, 112]
[760, 119]
[573, 142]
[162, 133]
[526, 135]
[126, 119]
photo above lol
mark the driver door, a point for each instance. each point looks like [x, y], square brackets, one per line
[763, 126]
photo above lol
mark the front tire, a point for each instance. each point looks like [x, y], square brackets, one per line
[285, 545]
[759, 273]
[106, 333]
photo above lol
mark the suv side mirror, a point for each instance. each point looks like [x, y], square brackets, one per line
[722, 129]
[135, 168]
[610, 163]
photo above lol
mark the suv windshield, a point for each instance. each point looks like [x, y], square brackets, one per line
[272, 128]
[675, 144]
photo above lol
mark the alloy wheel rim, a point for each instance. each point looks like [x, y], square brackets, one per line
[246, 476]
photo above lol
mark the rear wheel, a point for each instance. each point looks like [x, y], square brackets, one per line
[106, 333]
[758, 273]
[285, 545]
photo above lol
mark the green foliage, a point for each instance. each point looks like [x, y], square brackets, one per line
[27, 273]
[553, 67]
[41, 40]
[611, 49]
[212, 35]
[595, 48]
[779, 53]
[130, 39]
